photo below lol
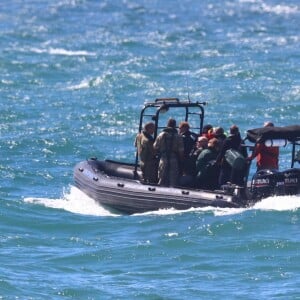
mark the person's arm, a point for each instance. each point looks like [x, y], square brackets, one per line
[157, 144]
[255, 151]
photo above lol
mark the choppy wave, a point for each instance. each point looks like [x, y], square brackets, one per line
[277, 9]
[77, 202]
[75, 74]
[280, 9]
[276, 203]
[86, 83]
[279, 203]
[73, 201]
[61, 51]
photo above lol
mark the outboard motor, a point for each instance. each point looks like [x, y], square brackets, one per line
[292, 181]
[267, 183]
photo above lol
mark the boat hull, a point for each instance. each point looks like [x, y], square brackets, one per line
[116, 187]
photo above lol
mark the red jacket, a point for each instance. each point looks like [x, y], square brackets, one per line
[267, 157]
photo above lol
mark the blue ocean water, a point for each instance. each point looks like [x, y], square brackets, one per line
[74, 76]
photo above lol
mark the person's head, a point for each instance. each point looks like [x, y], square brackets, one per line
[149, 127]
[202, 142]
[171, 123]
[184, 127]
[269, 124]
[234, 130]
[214, 143]
[206, 128]
[219, 131]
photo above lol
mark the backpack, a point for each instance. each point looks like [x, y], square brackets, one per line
[235, 159]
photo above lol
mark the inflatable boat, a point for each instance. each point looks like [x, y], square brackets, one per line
[119, 186]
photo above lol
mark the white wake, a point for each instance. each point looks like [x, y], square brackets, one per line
[77, 202]
[73, 201]
[274, 203]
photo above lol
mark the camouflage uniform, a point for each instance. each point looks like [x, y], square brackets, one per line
[169, 145]
[148, 162]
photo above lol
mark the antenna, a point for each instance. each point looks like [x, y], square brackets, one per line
[187, 87]
[187, 81]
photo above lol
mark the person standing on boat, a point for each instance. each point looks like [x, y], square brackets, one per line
[169, 146]
[228, 173]
[207, 131]
[189, 138]
[266, 157]
[148, 163]
[219, 134]
[188, 176]
[207, 169]
[189, 142]
[202, 143]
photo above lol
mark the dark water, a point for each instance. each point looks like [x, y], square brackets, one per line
[74, 76]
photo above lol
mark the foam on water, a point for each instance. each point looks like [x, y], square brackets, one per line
[86, 83]
[74, 76]
[76, 201]
[73, 201]
[61, 51]
[276, 203]
[279, 203]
